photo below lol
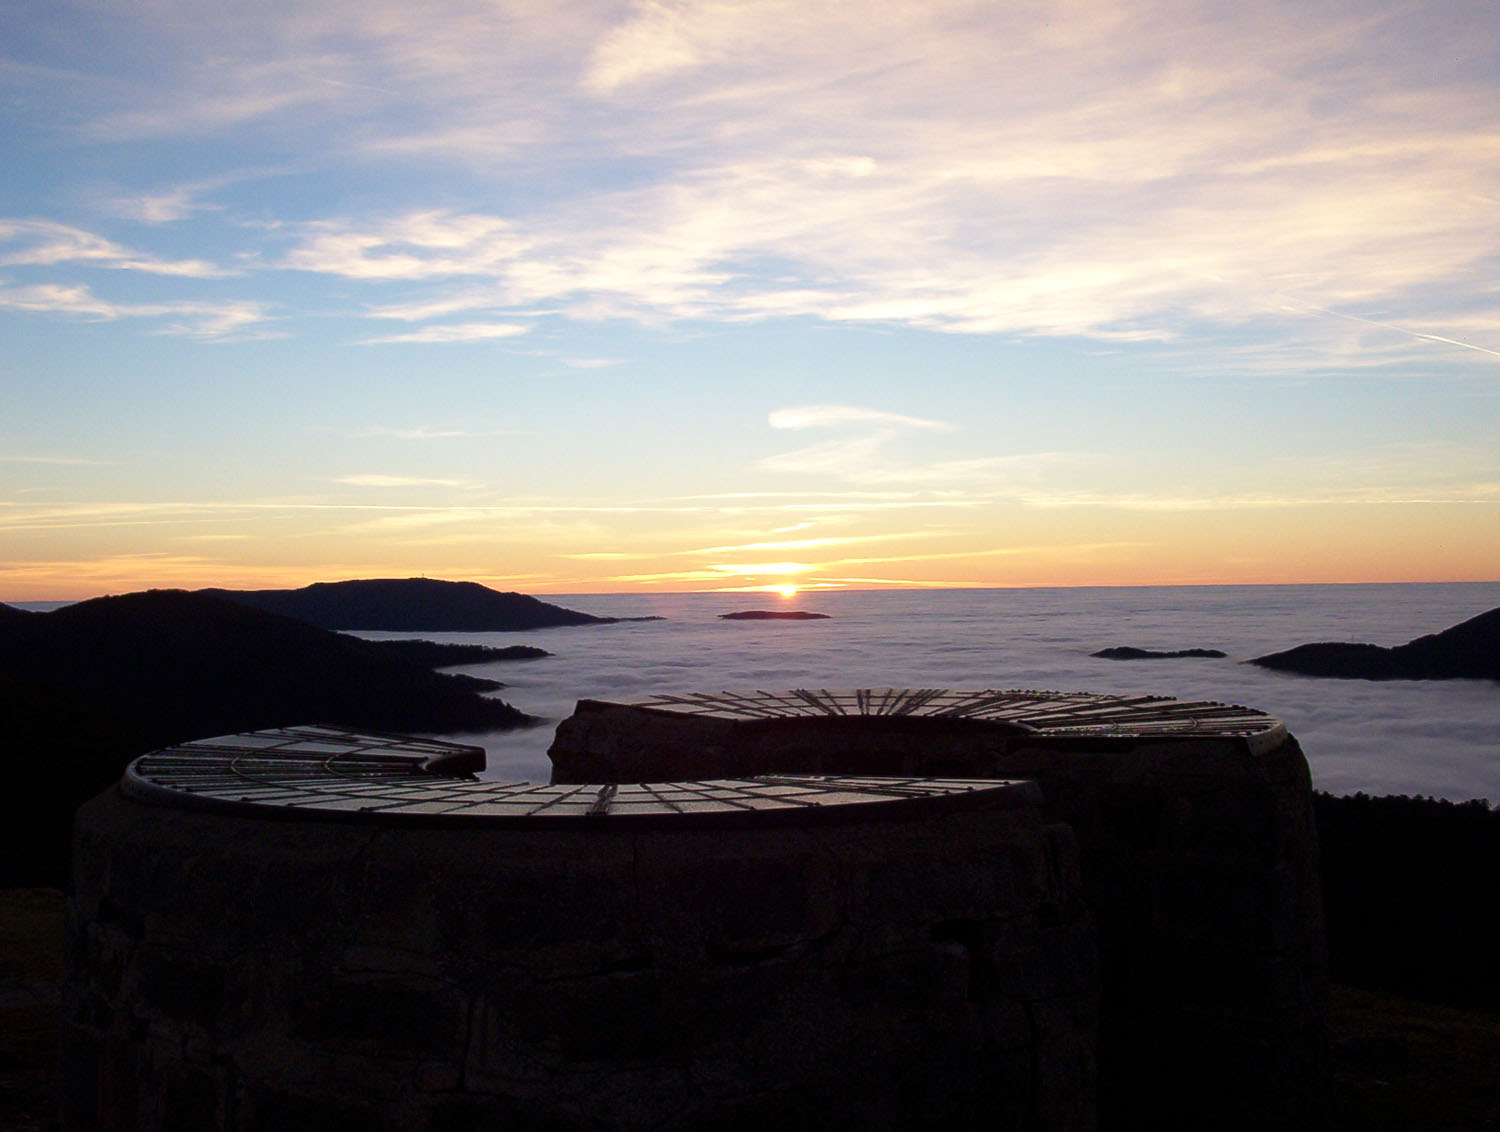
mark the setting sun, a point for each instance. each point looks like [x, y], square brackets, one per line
[787, 590]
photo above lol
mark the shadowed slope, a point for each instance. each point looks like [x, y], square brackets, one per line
[86, 688]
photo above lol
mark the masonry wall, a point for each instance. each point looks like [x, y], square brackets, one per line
[937, 971]
[1200, 867]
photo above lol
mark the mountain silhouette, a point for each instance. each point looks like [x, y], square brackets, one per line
[88, 687]
[1470, 649]
[409, 605]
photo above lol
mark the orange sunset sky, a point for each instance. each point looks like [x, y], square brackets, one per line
[576, 297]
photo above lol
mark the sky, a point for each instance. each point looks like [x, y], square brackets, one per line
[586, 297]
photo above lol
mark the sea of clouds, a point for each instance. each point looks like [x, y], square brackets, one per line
[1439, 738]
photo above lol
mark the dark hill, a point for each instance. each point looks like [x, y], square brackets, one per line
[409, 605]
[88, 687]
[434, 654]
[773, 615]
[1469, 650]
[1409, 895]
[1130, 652]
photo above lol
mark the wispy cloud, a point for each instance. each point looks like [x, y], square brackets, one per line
[32, 243]
[439, 306]
[161, 207]
[822, 543]
[452, 332]
[867, 459]
[733, 162]
[181, 201]
[233, 93]
[833, 572]
[903, 583]
[829, 416]
[866, 451]
[192, 318]
[1039, 550]
[989, 224]
[420, 245]
[1420, 335]
[861, 449]
[1487, 494]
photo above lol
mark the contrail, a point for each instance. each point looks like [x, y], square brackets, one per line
[1401, 329]
[352, 86]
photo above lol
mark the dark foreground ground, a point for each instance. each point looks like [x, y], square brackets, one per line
[1398, 1063]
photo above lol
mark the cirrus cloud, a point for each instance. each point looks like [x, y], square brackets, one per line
[452, 332]
[32, 243]
[191, 318]
[1159, 173]
[826, 416]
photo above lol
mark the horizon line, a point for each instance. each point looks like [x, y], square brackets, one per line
[800, 592]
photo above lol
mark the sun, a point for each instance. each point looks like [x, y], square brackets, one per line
[786, 589]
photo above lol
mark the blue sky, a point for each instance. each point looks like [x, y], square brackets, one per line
[604, 296]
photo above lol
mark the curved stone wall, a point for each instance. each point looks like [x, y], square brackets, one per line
[312, 930]
[1198, 848]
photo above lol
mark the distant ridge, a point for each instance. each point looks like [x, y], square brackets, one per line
[1469, 650]
[409, 605]
[182, 665]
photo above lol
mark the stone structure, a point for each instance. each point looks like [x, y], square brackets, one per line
[308, 929]
[1197, 840]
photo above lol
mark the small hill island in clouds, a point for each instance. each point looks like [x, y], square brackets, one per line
[86, 688]
[773, 615]
[1129, 652]
[410, 605]
[1469, 650]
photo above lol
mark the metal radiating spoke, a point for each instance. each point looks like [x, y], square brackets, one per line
[319, 773]
[328, 771]
[1041, 712]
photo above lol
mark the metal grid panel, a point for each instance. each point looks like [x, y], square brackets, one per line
[321, 773]
[1061, 714]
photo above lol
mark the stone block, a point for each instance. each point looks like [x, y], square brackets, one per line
[1192, 840]
[822, 969]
